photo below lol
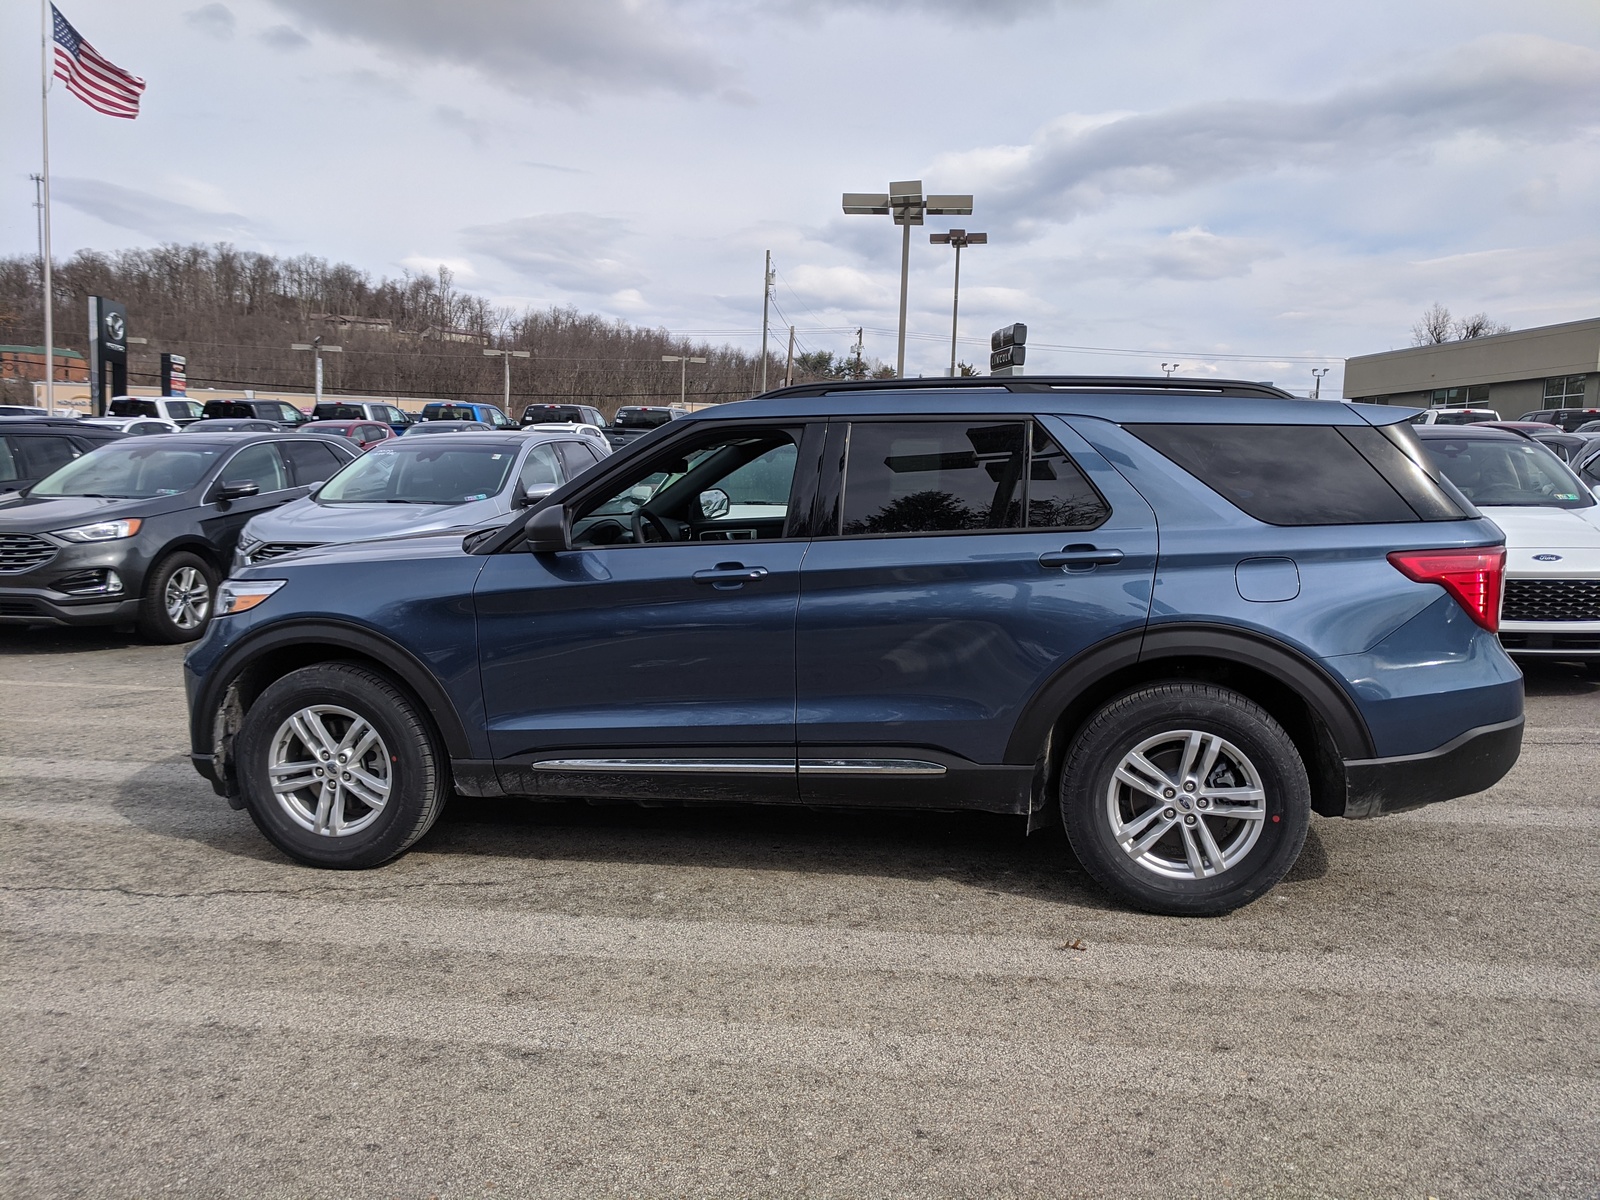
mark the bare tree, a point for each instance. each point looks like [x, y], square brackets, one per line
[1434, 327]
[1479, 326]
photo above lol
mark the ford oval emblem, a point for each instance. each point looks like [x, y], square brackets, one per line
[1547, 558]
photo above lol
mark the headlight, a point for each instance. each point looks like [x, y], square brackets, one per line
[241, 595]
[102, 531]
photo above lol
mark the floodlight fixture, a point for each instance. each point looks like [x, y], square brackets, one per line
[960, 239]
[905, 202]
[317, 351]
[683, 372]
[506, 356]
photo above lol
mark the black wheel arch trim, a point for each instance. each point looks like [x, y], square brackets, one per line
[358, 639]
[1172, 640]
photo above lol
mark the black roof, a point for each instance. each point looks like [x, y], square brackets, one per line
[52, 424]
[1101, 384]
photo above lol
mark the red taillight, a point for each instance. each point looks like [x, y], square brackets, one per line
[1474, 576]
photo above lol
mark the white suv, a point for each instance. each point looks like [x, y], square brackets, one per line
[1455, 416]
[167, 408]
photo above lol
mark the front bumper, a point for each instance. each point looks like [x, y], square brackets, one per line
[56, 592]
[1476, 760]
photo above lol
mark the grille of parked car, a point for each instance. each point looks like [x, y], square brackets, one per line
[23, 551]
[1551, 600]
[270, 550]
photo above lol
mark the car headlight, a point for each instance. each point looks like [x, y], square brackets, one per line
[241, 595]
[101, 531]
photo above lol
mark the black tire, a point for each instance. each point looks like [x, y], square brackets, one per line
[405, 756]
[1174, 875]
[156, 622]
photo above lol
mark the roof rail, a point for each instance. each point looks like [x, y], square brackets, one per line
[1099, 384]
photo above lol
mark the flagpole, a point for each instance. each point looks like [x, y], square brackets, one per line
[46, 39]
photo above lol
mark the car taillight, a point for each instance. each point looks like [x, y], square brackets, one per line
[1474, 576]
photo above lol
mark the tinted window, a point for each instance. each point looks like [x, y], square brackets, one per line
[338, 412]
[372, 433]
[1283, 474]
[448, 412]
[259, 464]
[128, 407]
[312, 462]
[641, 418]
[184, 409]
[933, 477]
[1059, 495]
[1590, 472]
[132, 469]
[553, 414]
[46, 454]
[10, 464]
[577, 458]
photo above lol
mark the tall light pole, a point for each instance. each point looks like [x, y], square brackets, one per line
[960, 239]
[507, 356]
[683, 373]
[907, 205]
[1169, 368]
[766, 298]
[1317, 373]
[318, 350]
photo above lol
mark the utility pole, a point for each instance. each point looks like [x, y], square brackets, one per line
[506, 356]
[766, 299]
[317, 350]
[960, 239]
[861, 344]
[788, 366]
[683, 373]
[1317, 373]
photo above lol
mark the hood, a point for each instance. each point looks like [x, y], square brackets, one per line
[440, 543]
[307, 521]
[43, 516]
[1534, 528]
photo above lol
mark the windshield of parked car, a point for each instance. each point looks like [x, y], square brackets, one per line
[641, 418]
[428, 473]
[549, 414]
[1507, 473]
[129, 471]
[1466, 418]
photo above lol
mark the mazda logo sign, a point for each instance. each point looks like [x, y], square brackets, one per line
[116, 326]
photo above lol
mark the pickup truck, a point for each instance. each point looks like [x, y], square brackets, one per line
[636, 420]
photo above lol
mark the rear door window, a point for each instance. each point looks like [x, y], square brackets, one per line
[1305, 474]
[42, 455]
[958, 476]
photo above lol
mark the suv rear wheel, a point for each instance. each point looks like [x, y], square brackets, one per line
[1185, 799]
[338, 767]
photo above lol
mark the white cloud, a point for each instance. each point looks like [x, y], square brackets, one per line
[156, 217]
[215, 20]
[576, 251]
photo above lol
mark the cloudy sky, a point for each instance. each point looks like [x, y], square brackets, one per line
[1246, 187]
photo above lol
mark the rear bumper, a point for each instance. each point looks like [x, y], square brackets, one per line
[1476, 760]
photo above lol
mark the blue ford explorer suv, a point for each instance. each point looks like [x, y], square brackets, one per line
[1176, 617]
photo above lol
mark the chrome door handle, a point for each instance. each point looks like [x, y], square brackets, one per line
[725, 573]
[1079, 558]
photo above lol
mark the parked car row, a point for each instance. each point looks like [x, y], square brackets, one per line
[117, 528]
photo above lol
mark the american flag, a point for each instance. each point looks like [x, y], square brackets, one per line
[98, 82]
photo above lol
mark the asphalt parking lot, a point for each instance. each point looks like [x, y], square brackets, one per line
[578, 1001]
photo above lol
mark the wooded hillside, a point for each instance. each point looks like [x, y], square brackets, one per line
[234, 315]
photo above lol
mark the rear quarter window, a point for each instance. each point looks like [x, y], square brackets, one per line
[1305, 474]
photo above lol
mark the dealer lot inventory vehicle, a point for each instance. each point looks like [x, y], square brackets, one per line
[418, 485]
[279, 411]
[365, 434]
[1175, 617]
[430, 427]
[391, 415]
[564, 414]
[33, 447]
[486, 414]
[1455, 416]
[1552, 525]
[1567, 419]
[132, 426]
[142, 529]
[635, 420]
[177, 409]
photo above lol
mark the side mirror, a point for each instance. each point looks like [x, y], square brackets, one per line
[527, 497]
[714, 503]
[235, 489]
[546, 530]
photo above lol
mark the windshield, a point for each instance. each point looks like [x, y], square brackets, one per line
[1519, 473]
[130, 471]
[433, 473]
[640, 418]
[1465, 418]
[566, 414]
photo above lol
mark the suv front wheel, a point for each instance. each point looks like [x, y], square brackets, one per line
[339, 768]
[1185, 799]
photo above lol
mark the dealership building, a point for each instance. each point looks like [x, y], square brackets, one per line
[1553, 366]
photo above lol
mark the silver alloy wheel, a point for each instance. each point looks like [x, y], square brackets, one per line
[187, 598]
[1186, 804]
[329, 770]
